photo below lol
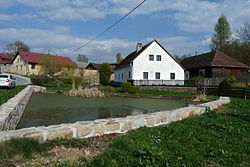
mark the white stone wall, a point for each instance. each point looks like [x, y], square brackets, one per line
[12, 110]
[85, 129]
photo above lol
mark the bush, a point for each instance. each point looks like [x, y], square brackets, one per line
[232, 80]
[126, 86]
[225, 85]
[105, 73]
[134, 89]
[65, 80]
[40, 79]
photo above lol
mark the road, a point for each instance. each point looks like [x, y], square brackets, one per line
[20, 80]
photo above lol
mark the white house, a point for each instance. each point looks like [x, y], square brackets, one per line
[150, 64]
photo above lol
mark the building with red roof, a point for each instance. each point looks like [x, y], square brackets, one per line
[5, 60]
[28, 63]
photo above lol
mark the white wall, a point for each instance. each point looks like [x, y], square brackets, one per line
[124, 71]
[166, 66]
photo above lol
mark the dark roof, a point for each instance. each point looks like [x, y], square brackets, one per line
[94, 66]
[36, 58]
[214, 58]
[134, 54]
[6, 58]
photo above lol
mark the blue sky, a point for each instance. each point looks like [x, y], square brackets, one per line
[181, 26]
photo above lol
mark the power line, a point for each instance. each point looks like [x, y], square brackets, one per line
[107, 28]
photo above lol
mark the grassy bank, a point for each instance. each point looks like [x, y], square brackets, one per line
[218, 138]
[6, 94]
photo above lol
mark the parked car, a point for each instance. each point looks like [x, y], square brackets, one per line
[7, 80]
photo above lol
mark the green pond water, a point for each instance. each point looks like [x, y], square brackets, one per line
[51, 109]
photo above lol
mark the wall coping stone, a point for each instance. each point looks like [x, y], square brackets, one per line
[85, 129]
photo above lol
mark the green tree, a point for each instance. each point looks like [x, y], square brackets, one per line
[17, 46]
[82, 58]
[105, 73]
[222, 34]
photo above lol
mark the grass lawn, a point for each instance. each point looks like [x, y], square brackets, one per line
[64, 87]
[164, 93]
[215, 139]
[6, 94]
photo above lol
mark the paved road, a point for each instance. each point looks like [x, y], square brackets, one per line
[20, 80]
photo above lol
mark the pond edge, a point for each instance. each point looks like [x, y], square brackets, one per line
[85, 129]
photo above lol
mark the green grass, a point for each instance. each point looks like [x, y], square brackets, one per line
[24, 147]
[164, 93]
[213, 139]
[6, 94]
[64, 87]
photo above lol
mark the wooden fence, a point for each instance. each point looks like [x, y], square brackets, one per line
[239, 92]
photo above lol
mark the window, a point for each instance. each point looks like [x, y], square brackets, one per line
[158, 58]
[129, 74]
[202, 72]
[145, 75]
[172, 75]
[151, 57]
[33, 66]
[122, 75]
[157, 75]
[119, 76]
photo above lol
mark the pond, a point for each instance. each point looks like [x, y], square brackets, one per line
[52, 109]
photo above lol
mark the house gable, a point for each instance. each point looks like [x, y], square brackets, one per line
[151, 62]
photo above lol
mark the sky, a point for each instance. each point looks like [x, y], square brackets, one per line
[181, 26]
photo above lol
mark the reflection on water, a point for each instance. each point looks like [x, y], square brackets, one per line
[51, 109]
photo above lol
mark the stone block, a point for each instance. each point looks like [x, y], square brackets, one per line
[35, 135]
[126, 126]
[83, 131]
[98, 129]
[136, 123]
[112, 126]
[65, 133]
[150, 121]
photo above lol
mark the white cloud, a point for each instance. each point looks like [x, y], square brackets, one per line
[5, 17]
[98, 51]
[191, 15]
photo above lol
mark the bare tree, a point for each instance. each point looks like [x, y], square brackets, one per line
[118, 57]
[16, 47]
[82, 58]
[243, 33]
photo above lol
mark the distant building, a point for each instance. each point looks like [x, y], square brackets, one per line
[27, 63]
[5, 60]
[213, 65]
[150, 64]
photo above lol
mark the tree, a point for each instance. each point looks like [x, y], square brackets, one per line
[16, 47]
[82, 58]
[243, 33]
[222, 34]
[118, 57]
[105, 73]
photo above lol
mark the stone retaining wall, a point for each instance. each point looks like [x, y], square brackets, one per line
[85, 129]
[12, 110]
[170, 89]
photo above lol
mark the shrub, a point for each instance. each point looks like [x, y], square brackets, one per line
[40, 79]
[65, 80]
[232, 79]
[126, 86]
[134, 89]
[105, 73]
[225, 85]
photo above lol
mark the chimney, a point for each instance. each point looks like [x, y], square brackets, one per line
[138, 46]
